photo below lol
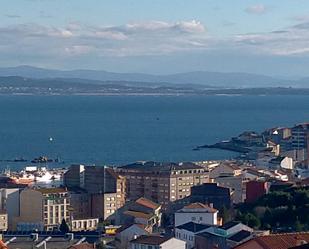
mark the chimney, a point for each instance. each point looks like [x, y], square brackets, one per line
[211, 205]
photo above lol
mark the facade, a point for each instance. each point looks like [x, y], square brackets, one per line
[104, 205]
[197, 213]
[256, 189]
[300, 136]
[157, 242]
[9, 203]
[127, 233]
[237, 186]
[3, 222]
[187, 232]
[79, 203]
[162, 182]
[141, 211]
[74, 176]
[46, 206]
[90, 224]
[211, 193]
[223, 237]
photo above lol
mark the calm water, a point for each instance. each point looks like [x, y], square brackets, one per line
[123, 129]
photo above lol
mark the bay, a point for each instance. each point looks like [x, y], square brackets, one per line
[105, 130]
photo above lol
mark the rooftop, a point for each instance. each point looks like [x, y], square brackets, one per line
[138, 214]
[229, 225]
[147, 203]
[159, 166]
[51, 190]
[277, 241]
[240, 236]
[193, 227]
[124, 227]
[150, 240]
[198, 205]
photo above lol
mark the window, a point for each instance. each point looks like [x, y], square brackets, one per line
[193, 218]
[201, 218]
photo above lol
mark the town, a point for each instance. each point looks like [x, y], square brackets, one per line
[258, 201]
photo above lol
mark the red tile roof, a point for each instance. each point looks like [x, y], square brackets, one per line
[82, 246]
[147, 203]
[138, 214]
[198, 205]
[276, 241]
[2, 245]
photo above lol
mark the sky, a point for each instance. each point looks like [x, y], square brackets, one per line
[157, 36]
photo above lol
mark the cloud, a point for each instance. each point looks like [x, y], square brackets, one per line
[133, 39]
[12, 16]
[257, 9]
[289, 42]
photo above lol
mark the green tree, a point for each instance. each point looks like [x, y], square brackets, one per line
[253, 221]
[64, 227]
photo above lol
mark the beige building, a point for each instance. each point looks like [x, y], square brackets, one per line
[84, 224]
[104, 205]
[3, 222]
[162, 182]
[46, 206]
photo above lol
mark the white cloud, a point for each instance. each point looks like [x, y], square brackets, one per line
[257, 9]
[132, 39]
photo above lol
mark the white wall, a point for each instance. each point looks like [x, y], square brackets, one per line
[186, 236]
[202, 218]
[174, 243]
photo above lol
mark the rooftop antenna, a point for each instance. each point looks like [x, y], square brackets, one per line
[10, 240]
[43, 243]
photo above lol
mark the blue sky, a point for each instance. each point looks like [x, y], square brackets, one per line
[157, 36]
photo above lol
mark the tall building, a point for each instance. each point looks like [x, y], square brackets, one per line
[9, 203]
[161, 182]
[99, 190]
[300, 137]
[43, 207]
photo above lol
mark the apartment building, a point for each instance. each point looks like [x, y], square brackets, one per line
[9, 203]
[300, 137]
[45, 207]
[161, 182]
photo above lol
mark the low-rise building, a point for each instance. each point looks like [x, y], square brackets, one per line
[155, 242]
[142, 211]
[90, 224]
[126, 233]
[198, 213]
[211, 193]
[187, 232]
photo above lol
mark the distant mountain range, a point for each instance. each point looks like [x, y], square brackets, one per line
[190, 79]
[32, 80]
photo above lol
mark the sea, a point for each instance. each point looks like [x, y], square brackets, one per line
[117, 130]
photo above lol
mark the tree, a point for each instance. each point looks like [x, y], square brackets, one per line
[64, 227]
[253, 221]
